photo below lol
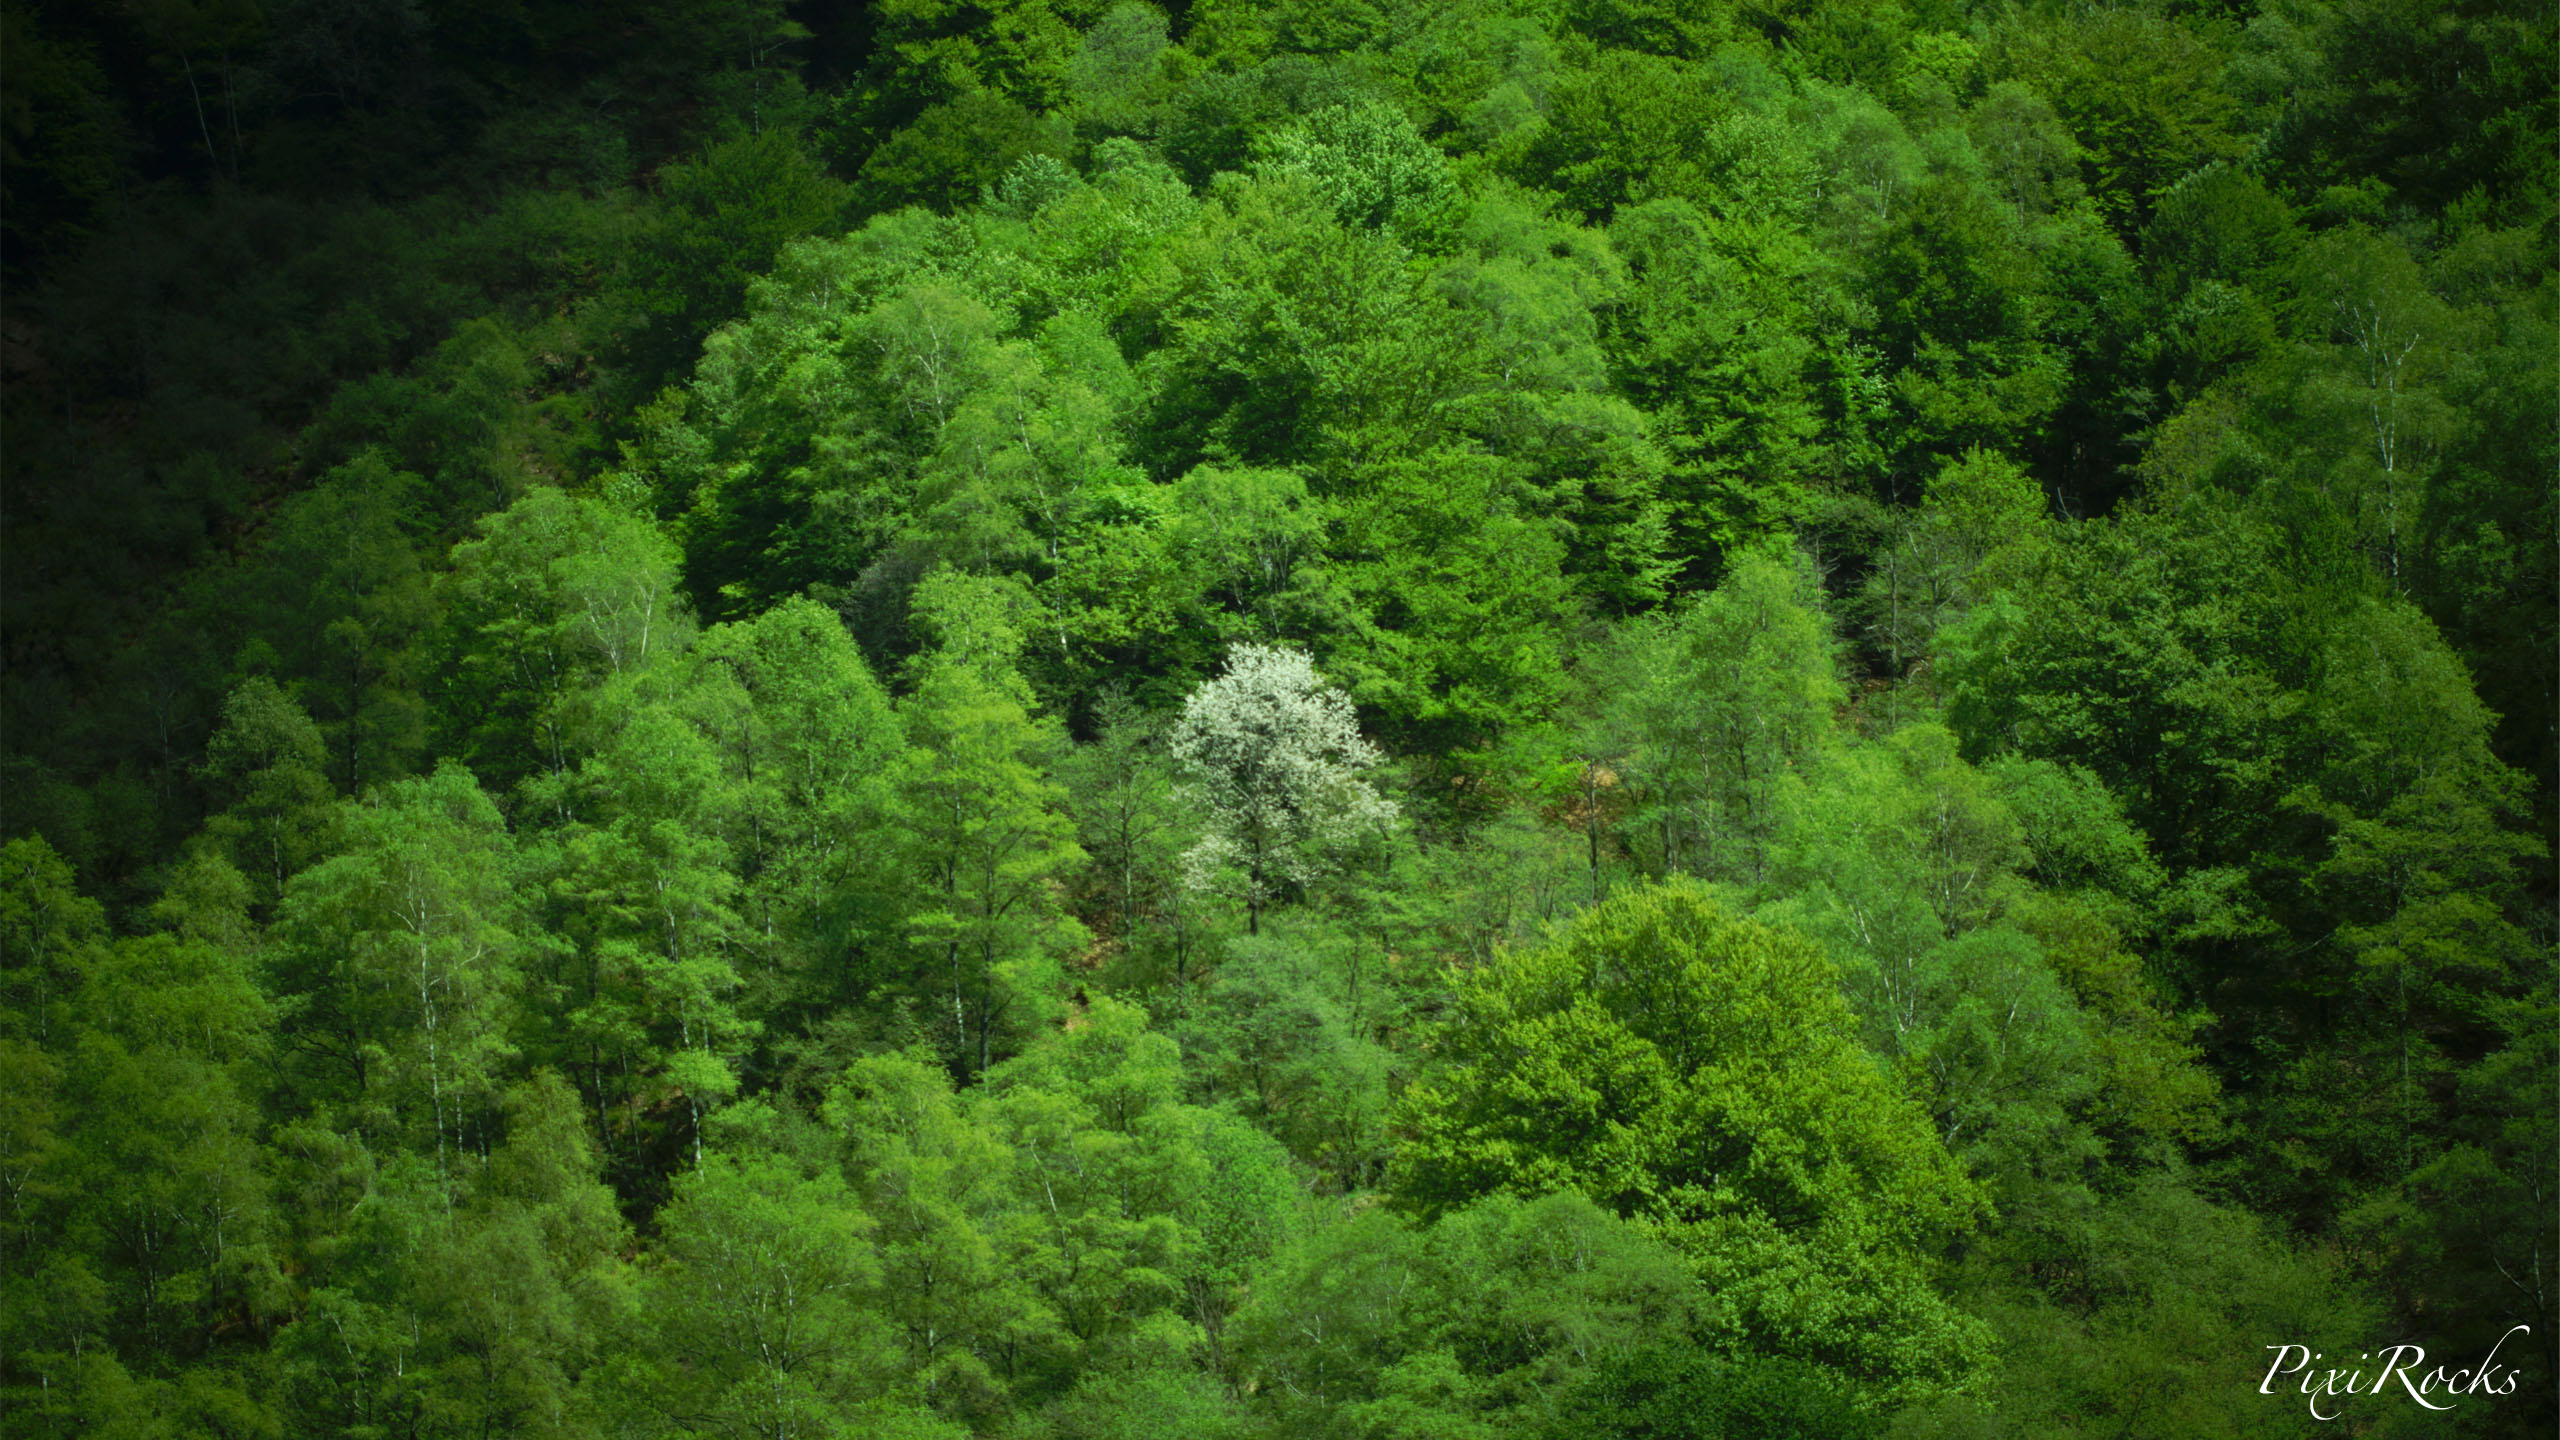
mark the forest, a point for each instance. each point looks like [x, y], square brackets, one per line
[1354, 719]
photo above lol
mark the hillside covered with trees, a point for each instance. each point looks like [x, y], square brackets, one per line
[1059, 719]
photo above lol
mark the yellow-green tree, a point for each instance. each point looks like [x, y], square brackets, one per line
[1673, 1062]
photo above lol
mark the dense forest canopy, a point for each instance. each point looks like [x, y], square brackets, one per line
[1068, 718]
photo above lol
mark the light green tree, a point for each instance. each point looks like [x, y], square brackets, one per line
[941, 1188]
[1672, 1062]
[557, 595]
[267, 767]
[988, 841]
[760, 1308]
[1703, 715]
[401, 962]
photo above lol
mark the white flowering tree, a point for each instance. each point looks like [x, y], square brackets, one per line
[1275, 760]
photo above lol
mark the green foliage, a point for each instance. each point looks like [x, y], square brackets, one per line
[1369, 162]
[348, 606]
[268, 756]
[937, 1178]
[398, 962]
[2312, 859]
[725, 217]
[807, 747]
[1281, 1033]
[2017, 1016]
[985, 839]
[1706, 712]
[1698, 1070]
[2142, 97]
[952, 152]
[1961, 312]
[1130, 823]
[757, 1311]
[469, 1303]
[1662, 1394]
[2154, 1291]
[2433, 103]
[1468, 1326]
[1696, 345]
[934, 50]
[558, 595]
[1934, 820]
